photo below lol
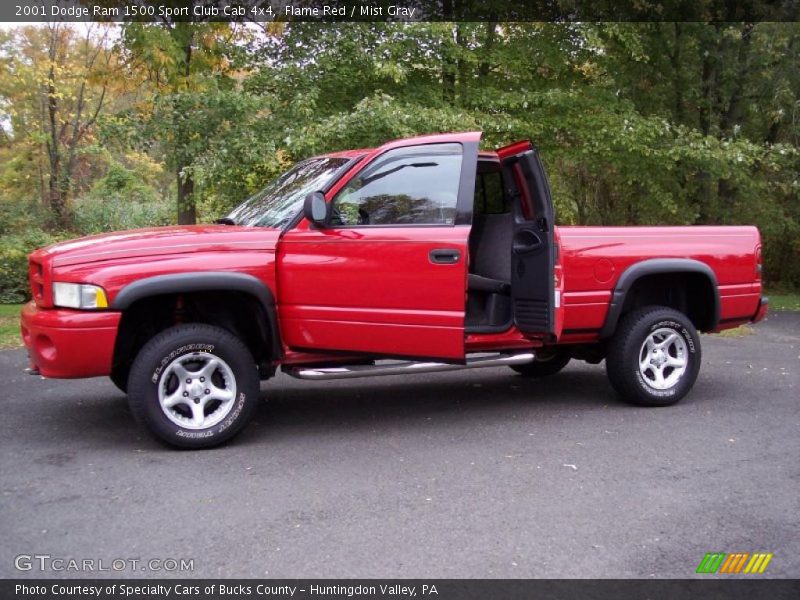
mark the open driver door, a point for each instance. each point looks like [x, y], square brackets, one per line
[536, 277]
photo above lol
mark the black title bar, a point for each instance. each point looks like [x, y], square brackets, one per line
[400, 10]
[400, 589]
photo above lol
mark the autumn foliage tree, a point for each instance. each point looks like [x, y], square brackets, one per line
[56, 84]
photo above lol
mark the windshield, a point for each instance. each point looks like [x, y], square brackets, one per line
[278, 203]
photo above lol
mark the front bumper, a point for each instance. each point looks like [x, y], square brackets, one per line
[67, 343]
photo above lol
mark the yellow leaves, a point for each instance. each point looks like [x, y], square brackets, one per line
[589, 69]
[160, 58]
[283, 158]
[264, 113]
[275, 28]
[143, 163]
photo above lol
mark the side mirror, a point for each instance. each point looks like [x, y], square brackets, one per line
[315, 209]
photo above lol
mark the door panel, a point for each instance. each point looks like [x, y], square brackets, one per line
[536, 308]
[374, 290]
[367, 284]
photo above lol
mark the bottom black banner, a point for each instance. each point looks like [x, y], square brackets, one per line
[399, 589]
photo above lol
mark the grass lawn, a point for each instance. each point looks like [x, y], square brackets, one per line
[784, 301]
[9, 325]
[740, 331]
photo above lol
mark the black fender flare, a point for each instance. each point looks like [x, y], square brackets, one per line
[655, 266]
[203, 281]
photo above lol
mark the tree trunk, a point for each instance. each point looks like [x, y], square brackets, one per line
[58, 201]
[449, 69]
[56, 195]
[461, 66]
[187, 212]
[677, 79]
[581, 192]
[709, 109]
[731, 115]
[488, 44]
[707, 86]
[678, 110]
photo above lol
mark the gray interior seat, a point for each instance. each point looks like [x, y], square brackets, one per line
[490, 249]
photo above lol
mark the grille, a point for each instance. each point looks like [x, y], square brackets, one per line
[36, 278]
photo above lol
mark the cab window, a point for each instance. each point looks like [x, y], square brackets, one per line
[405, 186]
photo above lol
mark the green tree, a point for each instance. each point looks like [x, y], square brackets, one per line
[190, 69]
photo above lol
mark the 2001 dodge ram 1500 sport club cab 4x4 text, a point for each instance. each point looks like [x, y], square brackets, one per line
[424, 254]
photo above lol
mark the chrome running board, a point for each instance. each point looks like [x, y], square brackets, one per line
[406, 367]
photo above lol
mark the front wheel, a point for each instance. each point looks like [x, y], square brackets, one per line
[193, 386]
[654, 357]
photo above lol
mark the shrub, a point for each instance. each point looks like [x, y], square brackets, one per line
[14, 250]
[124, 198]
[116, 211]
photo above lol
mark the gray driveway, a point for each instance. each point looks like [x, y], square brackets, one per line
[466, 474]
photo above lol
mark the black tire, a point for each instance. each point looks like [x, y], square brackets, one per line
[214, 364]
[629, 349]
[547, 363]
[119, 377]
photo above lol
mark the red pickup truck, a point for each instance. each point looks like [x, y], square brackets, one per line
[424, 254]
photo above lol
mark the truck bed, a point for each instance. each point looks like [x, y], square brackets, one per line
[593, 259]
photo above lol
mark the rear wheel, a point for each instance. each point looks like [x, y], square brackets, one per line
[547, 363]
[654, 357]
[193, 386]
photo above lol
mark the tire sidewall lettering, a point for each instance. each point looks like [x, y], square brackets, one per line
[231, 418]
[657, 393]
[185, 349]
[680, 329]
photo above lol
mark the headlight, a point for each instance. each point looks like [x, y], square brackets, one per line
[79, 295]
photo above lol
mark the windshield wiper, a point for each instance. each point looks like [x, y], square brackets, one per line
[225, 221]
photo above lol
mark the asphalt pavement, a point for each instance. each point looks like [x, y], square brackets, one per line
[472, 474]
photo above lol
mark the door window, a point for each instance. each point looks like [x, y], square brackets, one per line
[405, 186]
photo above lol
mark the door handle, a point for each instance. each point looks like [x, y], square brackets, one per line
[526, 241]
[444, 256]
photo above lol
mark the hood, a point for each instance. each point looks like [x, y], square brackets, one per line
[159, 241]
